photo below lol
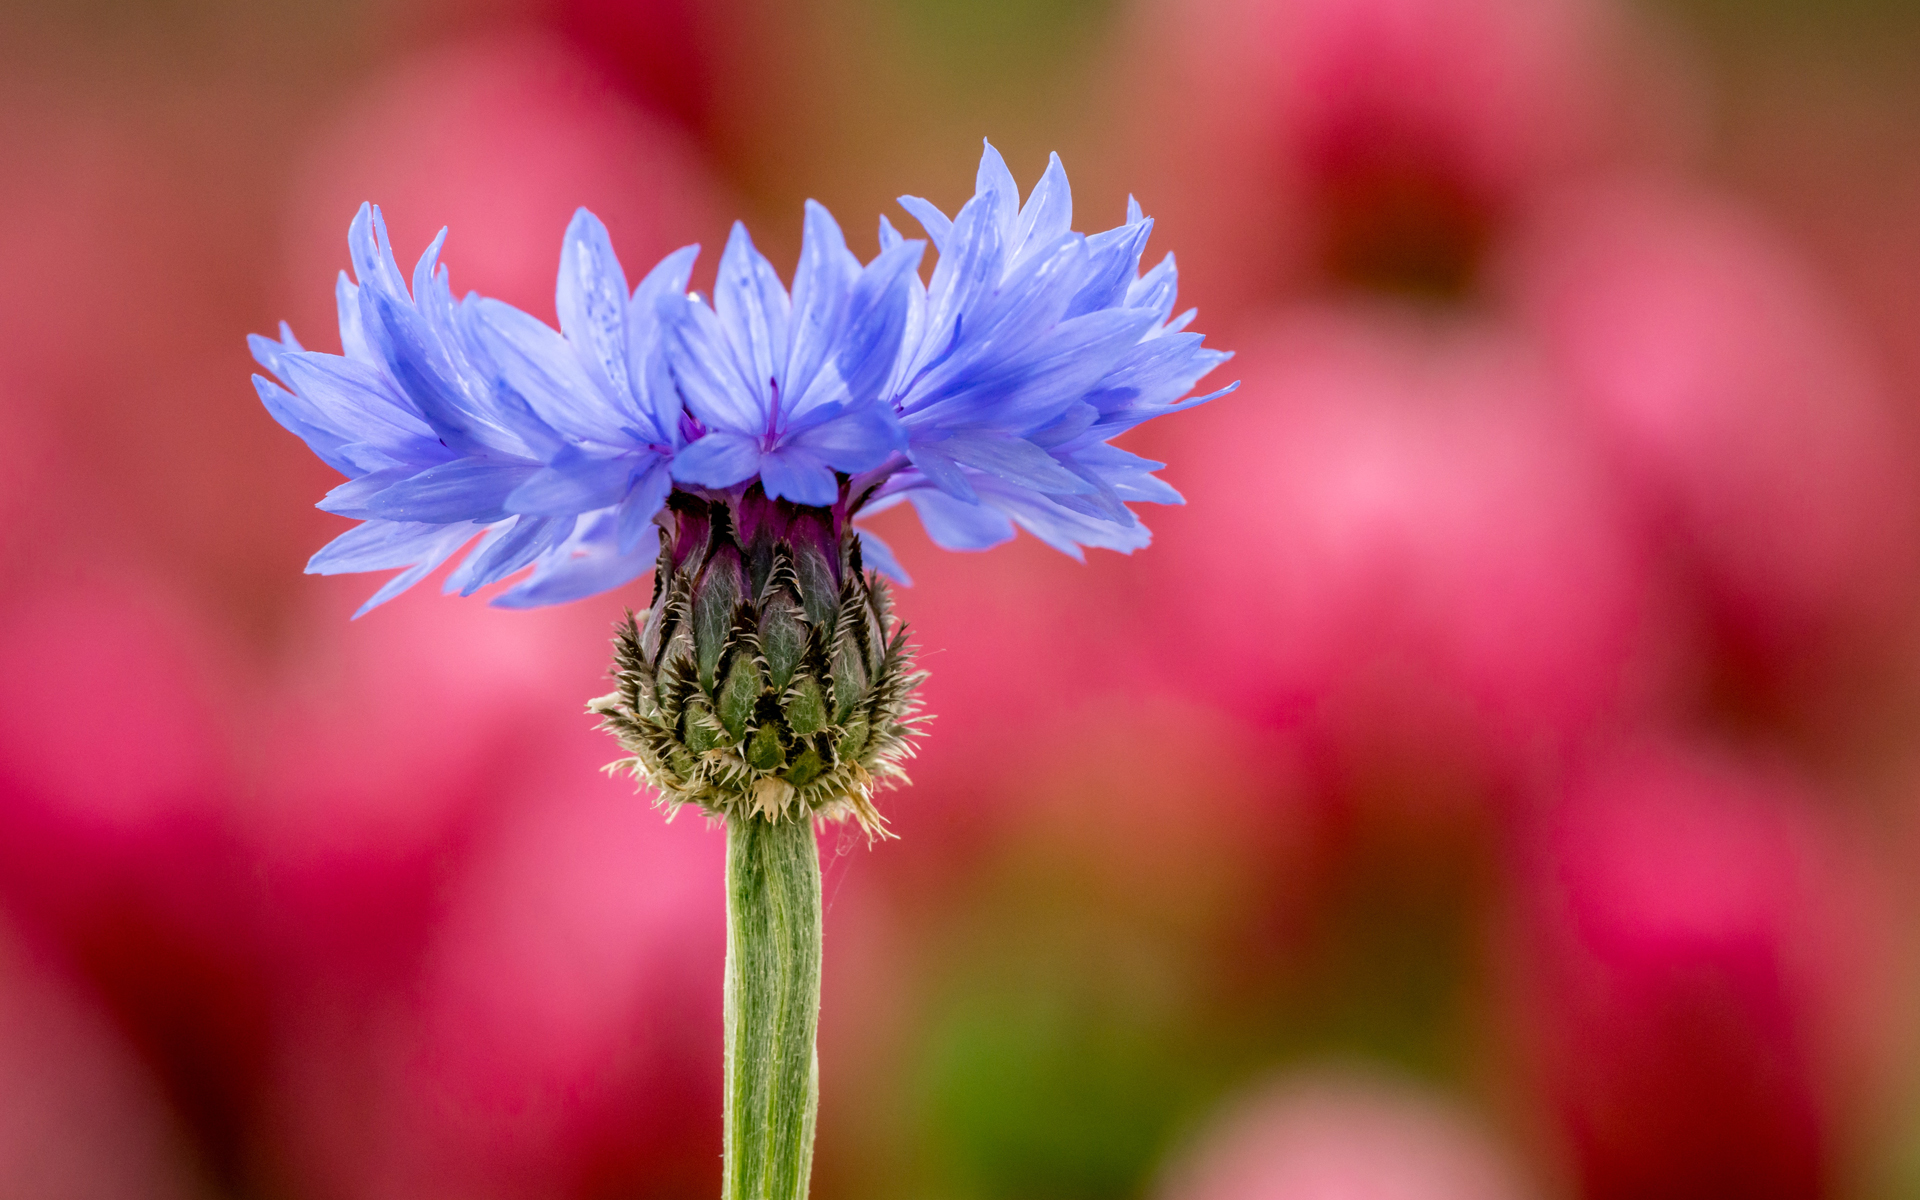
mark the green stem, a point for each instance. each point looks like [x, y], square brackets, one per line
[772, 1007]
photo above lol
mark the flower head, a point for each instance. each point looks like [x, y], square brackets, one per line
[456, 420]
[1032, 347]
[987, 396]
[787, 390]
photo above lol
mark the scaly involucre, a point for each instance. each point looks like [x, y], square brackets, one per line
[987, 397]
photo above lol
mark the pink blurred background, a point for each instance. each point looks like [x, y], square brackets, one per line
[1500, 782]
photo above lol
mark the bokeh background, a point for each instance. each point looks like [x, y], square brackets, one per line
[1500, 782]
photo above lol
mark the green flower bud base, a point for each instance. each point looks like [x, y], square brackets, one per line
[769, 677]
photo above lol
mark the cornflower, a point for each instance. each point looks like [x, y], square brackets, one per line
[730, 445]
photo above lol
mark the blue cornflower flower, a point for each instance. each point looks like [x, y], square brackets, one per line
[456, 420]
[730, 445]
[1031, 348]
[789, 392]
[987, 396]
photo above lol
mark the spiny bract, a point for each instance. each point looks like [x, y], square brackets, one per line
[769, 676]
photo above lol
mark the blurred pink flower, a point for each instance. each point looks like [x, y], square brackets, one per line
[662, 51]
[377, 752]
[572, 1019]
[1739, 403]
[111, 720]
[116, 843]
[32, 471]
[499, 138]
[1379, 142]
[1344, 1135]
[565, 1035]
[80, 1117]
[124, 190]
[1703, 979]
[1418, 554]
[485, 943]
[378, 737]
[1067, 631]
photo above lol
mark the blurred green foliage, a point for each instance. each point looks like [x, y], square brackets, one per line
[980, 42]
[1079, 1031]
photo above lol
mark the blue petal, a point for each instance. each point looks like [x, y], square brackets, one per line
[1032, 390]
[634, 517]
[353, 339]
[1098, 499]
[718, 460]
[1026, 306]
[1048, 212]
[1013, 459]
[424, 272]
[350, 499]
[668, 278]
[576, 571]
[994, 182]
[355, 400]
[753, 312]
[855, 441]
[430, 556]
[967, 270]
[703, 366]
[506, 548]
[877, 320]
[1149, 379]
[821, 286]
[591, 301]
[402, 582]
[1130, 476]
[889, 236]
[657, 400]
[957, 525]
[1164, 367]
[380, 545]
[1063, 529]
[1032, 296]
[938, 226]
[797, 474]
[418, 348]
[415, 364]
[467, 489]
[878, 556]
[577, 484]
[1113, 263]
[586, 564]
[547, 373]
[267, 352]
[286, 408]
[942, 472]
[1067, 429]
[372, 255]
[913, 342]
[1156, 289]
[1112, 427]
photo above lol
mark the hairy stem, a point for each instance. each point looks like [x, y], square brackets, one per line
[772, 1007]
